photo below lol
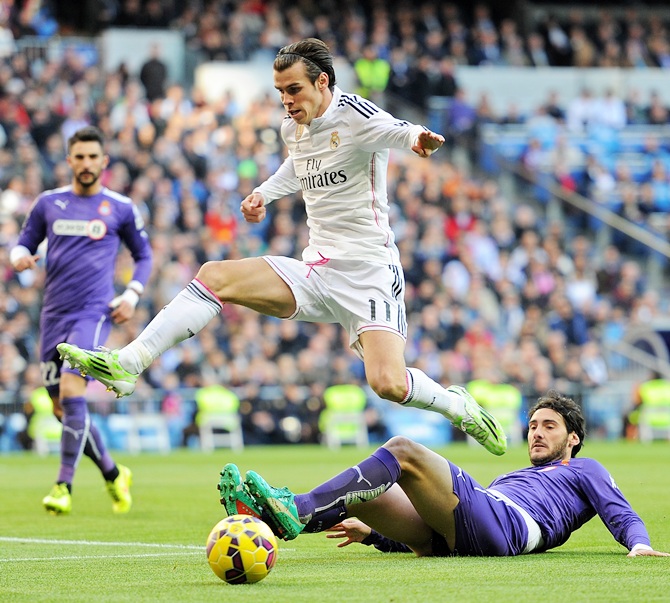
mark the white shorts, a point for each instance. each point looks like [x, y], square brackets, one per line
[361, 296]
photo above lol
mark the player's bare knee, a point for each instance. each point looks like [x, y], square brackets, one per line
[388, 388]
[212, 275]
[406, 451]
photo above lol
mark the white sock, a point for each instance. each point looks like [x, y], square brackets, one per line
[424, 393]
[182, 318]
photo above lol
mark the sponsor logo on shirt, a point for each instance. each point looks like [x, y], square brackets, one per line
[320, 179]
[93, 229]
[62, 203]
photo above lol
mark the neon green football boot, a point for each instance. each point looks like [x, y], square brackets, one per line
[58, 501]
[119, 490]
[278, 505]
[235, 496]
[479, 423]
[103, 365]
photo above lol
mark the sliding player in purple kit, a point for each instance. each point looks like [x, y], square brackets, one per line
[407, 498]
[83, 224]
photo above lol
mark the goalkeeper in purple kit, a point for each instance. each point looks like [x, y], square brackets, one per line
[83, 225]
[406, 498]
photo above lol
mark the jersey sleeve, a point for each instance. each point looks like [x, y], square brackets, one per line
[134, 236]
[283, 182]
[384, 544]
[374, 129]
[612, 507]
[34, 229]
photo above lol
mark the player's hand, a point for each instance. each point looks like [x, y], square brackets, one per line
[123, 306]
[253, 208]
[354, 530]
[647, 553]
[427, 143]
[27, 262]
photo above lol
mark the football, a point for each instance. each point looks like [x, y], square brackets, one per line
[241, 549]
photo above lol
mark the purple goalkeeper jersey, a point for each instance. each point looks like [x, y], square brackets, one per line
[83, 237]
[564, 495]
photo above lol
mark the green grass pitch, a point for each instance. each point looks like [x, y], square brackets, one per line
[156, 553]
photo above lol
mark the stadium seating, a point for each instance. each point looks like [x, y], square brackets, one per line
[504, 402]
[654, 412]
[140, 432]
[218, 418]
[343, 419]
[43, 427]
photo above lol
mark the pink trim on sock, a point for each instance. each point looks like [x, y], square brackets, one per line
[214, 295]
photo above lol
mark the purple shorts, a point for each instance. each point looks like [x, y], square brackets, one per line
[87, 331]
[485, 525]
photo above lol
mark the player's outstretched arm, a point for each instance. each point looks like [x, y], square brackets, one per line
[427, 143]
[354, 530]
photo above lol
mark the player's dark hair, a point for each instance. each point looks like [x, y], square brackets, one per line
[86, 134]
[568, 409]
[314, 53]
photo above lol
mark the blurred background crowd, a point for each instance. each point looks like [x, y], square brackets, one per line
[498, 287]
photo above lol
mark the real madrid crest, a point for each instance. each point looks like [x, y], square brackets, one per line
[334, 141]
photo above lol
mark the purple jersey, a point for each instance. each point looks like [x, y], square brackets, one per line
[83, 237]
[564, 495]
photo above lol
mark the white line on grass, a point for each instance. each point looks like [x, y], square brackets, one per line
[101, 543]
[185, 549]
[87, 557]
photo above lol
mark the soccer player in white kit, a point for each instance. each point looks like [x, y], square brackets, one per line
[338, 150]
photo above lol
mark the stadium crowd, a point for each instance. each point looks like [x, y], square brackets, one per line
[494, 290]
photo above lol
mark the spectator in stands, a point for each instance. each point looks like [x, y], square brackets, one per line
[657, 111]
[401, 74]
[571, 322]
[462, 124]
[537, 54]
[372, 72]
[584, 52]
[153, 74]
[581, 111]
[659, 49]
[610, 110]
[558, 43]
[444, 83]
[486, 49]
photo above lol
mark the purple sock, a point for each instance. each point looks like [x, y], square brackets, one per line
[327, 519]
[359, 483]
[75, 434]
[95, 450]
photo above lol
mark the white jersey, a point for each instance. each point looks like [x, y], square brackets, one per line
[339, 162]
